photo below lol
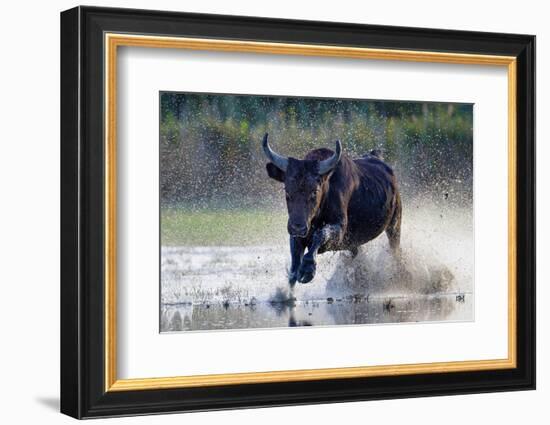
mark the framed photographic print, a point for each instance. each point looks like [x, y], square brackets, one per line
[261, 212]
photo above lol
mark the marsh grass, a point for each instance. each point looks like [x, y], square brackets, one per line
[217, 227]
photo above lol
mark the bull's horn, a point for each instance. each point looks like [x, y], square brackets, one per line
[328, 165]
[279, 161]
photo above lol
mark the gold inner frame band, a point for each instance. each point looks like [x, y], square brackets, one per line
[113, 41]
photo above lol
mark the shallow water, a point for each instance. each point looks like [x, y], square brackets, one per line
[242, 287]
[340, 311]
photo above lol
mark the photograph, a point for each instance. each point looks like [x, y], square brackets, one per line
[307, 211]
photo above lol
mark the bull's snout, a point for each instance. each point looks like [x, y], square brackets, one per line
[297, 230]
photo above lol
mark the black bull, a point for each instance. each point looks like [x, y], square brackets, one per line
[335, 203]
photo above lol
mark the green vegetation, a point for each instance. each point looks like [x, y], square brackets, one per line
[211, 153]
[180, 227]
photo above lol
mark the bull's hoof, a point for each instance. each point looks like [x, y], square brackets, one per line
[306, 277]
[306, 273]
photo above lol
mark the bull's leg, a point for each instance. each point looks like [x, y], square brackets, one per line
[394, 237]
[297, 248]
[329, 237]
[393, 231]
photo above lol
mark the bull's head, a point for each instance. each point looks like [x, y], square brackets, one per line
[306, 183]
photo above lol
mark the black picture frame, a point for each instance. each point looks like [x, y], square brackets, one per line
[83, 392]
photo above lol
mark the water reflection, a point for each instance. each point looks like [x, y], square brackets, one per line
[326, 312]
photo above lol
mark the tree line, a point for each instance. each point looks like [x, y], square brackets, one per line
[210, 145]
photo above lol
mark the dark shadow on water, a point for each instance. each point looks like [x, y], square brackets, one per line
[288, 309]
[49, 402]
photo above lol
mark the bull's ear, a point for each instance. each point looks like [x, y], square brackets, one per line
[275, 172]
